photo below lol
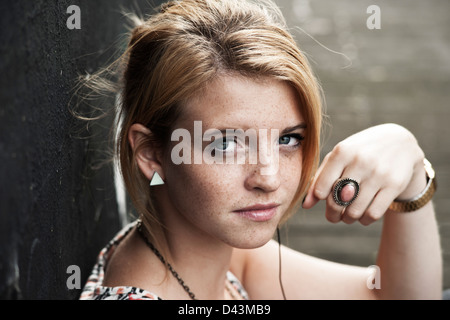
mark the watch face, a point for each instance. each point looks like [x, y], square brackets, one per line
[429, 169]
[423, 198]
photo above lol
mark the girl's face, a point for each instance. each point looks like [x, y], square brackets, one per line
[238, 201]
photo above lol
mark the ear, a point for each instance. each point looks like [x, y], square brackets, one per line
[146, 155]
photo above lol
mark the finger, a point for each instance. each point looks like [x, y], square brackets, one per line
[357, 209]
[333, 211]
[378, 207]
[310, 199]
[332, 170]
[359, 195]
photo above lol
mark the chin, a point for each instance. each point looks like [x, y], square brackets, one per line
[252, 245]
[253, 239]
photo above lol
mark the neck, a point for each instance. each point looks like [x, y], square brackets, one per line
[201, 264]
[200, 260]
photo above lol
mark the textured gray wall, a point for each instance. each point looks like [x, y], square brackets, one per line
[399, 73]
[57, 206]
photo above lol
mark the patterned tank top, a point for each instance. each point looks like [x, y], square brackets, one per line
[95, 290]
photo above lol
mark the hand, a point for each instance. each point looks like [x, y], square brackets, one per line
[385, 160]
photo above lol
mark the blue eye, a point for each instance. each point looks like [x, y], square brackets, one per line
[292, 140]
[226, 145]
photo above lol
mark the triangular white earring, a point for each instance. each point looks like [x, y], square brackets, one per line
[156, 180]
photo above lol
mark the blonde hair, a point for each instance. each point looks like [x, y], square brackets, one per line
[179, 50]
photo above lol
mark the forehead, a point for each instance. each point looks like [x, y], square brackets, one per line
[234, 101]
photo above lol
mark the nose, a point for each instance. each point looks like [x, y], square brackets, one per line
[264, 173]
[263, 177]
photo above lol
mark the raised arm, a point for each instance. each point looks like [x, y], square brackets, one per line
[388, 164]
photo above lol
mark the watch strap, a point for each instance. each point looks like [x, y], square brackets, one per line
[423, 198]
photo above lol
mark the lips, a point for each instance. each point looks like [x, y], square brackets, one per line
[259, 212]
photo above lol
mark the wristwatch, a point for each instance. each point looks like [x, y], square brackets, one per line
[423, 198]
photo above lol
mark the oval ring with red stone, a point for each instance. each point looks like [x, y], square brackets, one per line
[345, 191]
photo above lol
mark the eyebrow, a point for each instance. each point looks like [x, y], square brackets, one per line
[291, 129]
[285, 131]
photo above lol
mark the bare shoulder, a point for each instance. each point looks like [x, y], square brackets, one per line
[127, 263]
[303, 276]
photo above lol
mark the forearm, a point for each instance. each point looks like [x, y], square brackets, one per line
[410, 254]
[387, 163]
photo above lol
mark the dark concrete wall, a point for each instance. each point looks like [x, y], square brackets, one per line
[57, 207]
